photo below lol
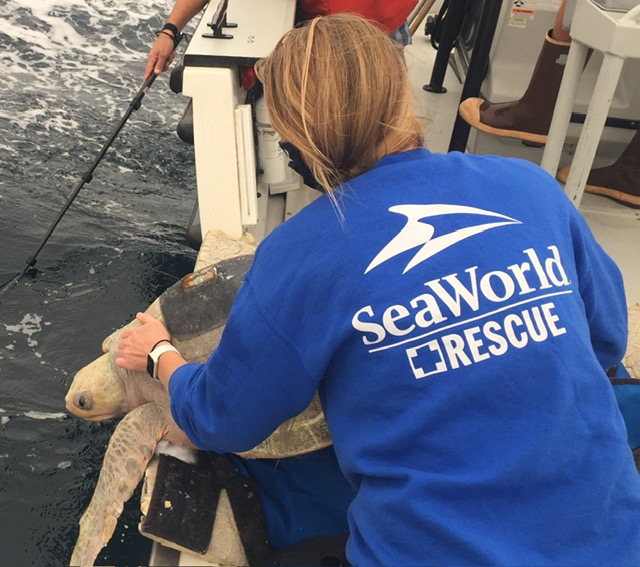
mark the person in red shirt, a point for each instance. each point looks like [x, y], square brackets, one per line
[391, 15]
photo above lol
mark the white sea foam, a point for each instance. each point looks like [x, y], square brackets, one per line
[58, 42]
[29, 325]
[43, 415]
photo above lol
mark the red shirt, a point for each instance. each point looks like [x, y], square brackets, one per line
[390, 14]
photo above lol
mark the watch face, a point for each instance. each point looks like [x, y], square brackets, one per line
[150, 366]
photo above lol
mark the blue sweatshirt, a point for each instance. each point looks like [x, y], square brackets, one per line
[456, 318]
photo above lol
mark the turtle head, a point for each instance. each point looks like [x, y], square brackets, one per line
[97, 393]
[102, 390]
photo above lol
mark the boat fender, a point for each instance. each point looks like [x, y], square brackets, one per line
[175, 79]
[271, 158]
[185, 125]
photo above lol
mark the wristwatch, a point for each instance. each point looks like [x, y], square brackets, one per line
[154, 356]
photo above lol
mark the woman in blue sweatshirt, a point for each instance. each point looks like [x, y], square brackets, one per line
[455, 314]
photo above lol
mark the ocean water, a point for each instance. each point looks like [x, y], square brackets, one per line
[69, 70]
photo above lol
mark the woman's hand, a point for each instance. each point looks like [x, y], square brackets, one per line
[136, 342]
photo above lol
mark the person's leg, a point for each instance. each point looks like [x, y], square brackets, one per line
[620, 180]
[562, 23]
[529, 118]
[303, 497]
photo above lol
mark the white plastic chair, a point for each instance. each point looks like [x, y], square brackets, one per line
[617, 36]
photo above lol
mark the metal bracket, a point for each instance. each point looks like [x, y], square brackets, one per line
[219, 22]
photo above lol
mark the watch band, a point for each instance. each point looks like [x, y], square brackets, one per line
[154, 356]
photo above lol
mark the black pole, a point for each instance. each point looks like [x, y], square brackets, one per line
[86, 178]
[450, 31]
[477, 69]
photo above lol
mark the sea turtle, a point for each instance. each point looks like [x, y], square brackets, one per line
[195, 311]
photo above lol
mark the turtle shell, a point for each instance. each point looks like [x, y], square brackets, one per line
[195, 311]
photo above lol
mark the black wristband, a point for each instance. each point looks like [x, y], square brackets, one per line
[172, 28]
[176, 40]
[159, 342]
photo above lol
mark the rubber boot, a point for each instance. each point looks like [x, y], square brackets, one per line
[529, 118]
[620, 181]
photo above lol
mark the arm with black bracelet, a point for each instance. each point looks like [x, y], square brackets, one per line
[162, 52]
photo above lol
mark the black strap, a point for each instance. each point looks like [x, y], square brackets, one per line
[172, 28]
[175, 35]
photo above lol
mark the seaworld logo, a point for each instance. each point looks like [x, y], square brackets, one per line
[468, 317]
[418, 233]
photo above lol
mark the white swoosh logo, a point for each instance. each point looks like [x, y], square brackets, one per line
[416, 233]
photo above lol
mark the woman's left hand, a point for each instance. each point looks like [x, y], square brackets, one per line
[136, 342]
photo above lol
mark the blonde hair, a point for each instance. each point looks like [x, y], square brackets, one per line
[337, 89]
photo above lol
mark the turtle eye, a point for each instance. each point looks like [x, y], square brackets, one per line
[83, 401]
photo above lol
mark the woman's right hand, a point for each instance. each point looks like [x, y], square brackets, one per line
[136, 342]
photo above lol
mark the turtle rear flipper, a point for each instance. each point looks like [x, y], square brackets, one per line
[130, 448]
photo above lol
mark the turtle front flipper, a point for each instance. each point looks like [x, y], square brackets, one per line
[132, 445]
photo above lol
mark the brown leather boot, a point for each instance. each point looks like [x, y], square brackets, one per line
[529, 118]
[620, 181]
